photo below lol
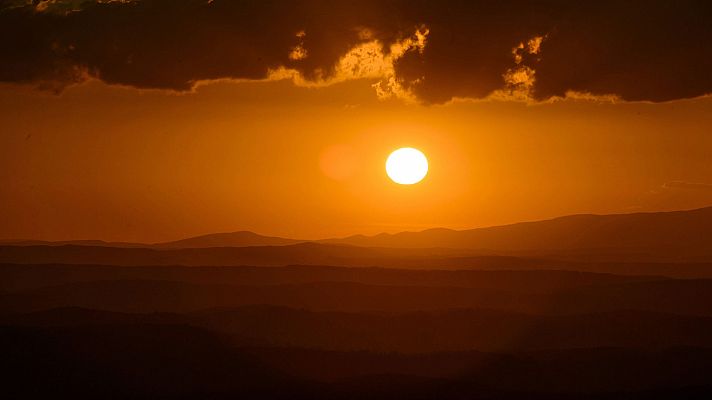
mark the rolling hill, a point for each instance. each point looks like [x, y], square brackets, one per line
[672, 235]
[230, 239]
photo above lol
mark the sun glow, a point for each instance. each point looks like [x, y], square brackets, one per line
[407, 166]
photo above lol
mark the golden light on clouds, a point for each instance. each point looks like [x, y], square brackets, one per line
[519, 80]
[281, 126]
[299, 52]
[367, 60]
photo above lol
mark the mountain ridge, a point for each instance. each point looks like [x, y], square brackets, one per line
[684, 232]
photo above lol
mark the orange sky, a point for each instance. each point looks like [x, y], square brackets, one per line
[116, 163]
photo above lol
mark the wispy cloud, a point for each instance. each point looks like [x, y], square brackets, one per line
[688, 185]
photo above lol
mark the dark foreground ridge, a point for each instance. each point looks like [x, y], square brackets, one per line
[621, 309]
[87, 331]
[177, 361]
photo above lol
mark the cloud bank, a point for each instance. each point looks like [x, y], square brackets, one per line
[424, 51]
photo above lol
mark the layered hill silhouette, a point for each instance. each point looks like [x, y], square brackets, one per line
[678, 296]
[90, 243]
[677, 236]
[231, 239]
[659, 233]
[409, 333]
[689, 230]
[167, 360]
[20, 277]
[645, 233]
[312, 254]
[227, 239]
[585, 307]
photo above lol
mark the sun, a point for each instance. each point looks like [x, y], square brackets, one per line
[407, 166]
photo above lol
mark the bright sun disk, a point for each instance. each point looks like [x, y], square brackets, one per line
[407, 166]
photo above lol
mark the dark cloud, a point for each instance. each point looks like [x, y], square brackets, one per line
[655, 50]
[636, 50]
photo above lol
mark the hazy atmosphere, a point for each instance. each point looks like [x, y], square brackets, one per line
[312, 199]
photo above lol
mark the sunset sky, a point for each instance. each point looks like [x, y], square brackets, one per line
[155, 120]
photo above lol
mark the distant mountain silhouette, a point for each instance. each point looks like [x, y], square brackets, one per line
[676, 296]
[413, 332]
[89, 242]
[684, 236]
[677, 234]
[314, 254]
[297, 254]
[19, 277]
[231, 239]
[228, 239]
[585, 306]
